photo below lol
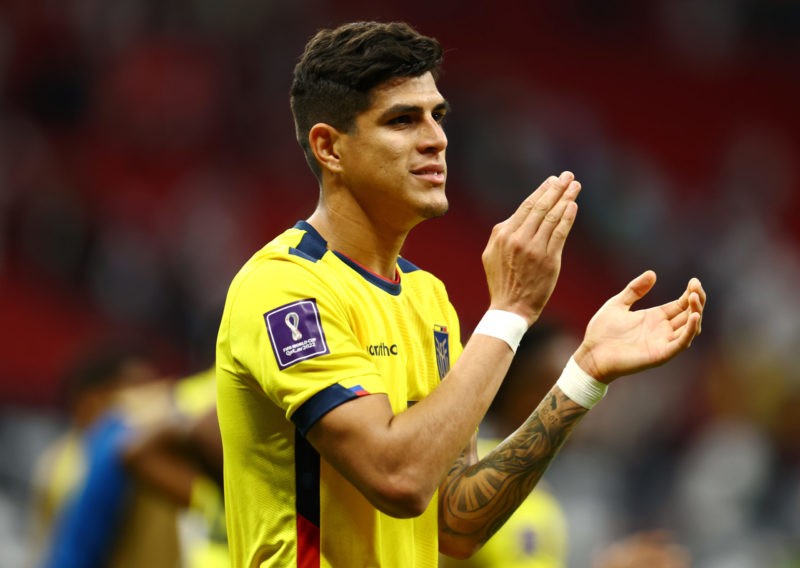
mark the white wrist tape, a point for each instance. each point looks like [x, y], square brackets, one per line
[508, 326]
[580, 386]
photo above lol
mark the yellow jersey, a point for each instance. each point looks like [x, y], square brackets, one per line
[304, 330]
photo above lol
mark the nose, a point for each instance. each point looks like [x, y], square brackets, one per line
[433, 139]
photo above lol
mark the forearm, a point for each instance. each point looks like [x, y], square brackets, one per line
[162, 459]
[401, 460]
[448, 418]
[172, 476]
[476, 499]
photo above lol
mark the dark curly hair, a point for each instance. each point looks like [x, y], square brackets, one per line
[339, 68]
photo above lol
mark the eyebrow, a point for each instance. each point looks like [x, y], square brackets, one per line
[412, 109]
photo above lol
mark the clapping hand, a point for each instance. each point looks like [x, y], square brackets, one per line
[522, 259]
[621, 341]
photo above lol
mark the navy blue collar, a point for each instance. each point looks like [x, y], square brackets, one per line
[314, 246]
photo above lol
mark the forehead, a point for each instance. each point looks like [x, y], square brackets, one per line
[413, 91]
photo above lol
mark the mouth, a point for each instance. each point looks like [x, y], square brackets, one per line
[434, 174]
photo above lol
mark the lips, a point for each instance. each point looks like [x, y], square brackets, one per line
[434, 173]
[430, 169]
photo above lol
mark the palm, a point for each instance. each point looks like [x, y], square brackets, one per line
[621, 341]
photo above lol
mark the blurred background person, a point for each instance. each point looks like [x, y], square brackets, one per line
[82, 492]
[141, 450]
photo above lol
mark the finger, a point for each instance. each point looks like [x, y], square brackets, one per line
[671, 309]
[553, 216]
[637, 288]
[561, 231]
[528, 203]
[696, 286]
[696, 301]
[680, 320]
[686, 320]
[689, 331]
[697, 305]
[546, 211]
[683, 338]
[545, 204]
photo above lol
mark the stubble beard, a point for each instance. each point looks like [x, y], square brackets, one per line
[438, 208]
[434, 211]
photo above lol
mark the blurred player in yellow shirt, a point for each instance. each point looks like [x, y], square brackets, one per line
[131, 482]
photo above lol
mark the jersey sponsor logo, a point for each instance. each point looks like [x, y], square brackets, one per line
[295, 332]
[382, 350]
[441, 339]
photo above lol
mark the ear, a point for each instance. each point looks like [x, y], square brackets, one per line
[323, 139]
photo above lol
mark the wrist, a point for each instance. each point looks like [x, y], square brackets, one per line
[506, 326]
[585, 360]
[524, 311]
[579, 386]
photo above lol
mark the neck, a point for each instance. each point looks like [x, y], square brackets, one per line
[371, 244]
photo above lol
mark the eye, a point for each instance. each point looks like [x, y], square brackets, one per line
[402, 119]
[440, 113]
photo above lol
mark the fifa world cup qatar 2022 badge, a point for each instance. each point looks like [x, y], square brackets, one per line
[295, 332]
[441, 339]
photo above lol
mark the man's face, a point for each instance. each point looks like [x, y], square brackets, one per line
[393, 160]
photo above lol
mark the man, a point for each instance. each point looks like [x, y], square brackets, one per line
[140, 451]
[89, 510]
[347, 407]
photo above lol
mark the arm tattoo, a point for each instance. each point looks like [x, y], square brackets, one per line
[476, 499]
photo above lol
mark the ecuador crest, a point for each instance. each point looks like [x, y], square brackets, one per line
[441, 339]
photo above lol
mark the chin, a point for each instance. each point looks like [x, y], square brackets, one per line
[437, 212]
[433, 210]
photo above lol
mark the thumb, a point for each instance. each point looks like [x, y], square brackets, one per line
[637, 288]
